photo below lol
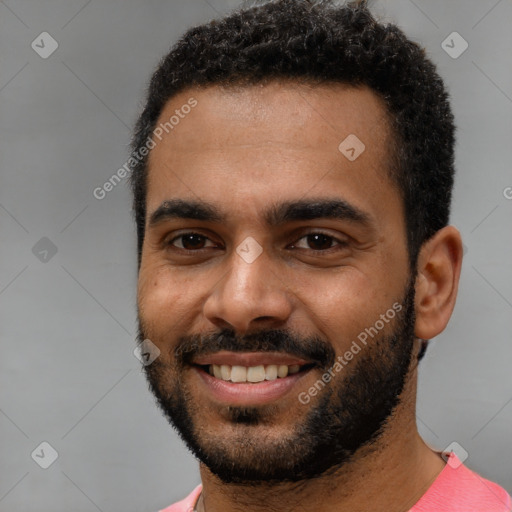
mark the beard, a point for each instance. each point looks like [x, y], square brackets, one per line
[247, 445]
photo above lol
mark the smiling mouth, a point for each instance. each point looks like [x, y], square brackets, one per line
[250, 378]
[253, 374]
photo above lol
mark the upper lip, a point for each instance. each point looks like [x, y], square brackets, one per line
[249, 359]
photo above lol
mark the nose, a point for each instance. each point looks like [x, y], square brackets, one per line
[249, 296]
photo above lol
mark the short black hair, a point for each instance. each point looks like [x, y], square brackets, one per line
[318, 42]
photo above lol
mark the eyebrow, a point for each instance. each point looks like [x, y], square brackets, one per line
[288, 211]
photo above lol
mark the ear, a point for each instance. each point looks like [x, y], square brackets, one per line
[437, 282]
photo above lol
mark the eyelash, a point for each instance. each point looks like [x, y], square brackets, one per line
[340, 243]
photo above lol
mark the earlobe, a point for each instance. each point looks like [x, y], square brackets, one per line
[439, 265]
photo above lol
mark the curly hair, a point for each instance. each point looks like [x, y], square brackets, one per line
[321, 42]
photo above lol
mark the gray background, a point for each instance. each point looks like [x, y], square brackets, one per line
[67, 320]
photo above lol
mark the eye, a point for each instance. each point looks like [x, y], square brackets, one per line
[315, 241]
[318, 241]
[190, 241]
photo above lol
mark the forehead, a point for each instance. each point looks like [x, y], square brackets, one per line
[297, 114]
[275, 139]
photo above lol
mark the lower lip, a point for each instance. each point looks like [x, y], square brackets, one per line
[245, 393]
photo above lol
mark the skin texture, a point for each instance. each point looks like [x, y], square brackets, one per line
[245, 149]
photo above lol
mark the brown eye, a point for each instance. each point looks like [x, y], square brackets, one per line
[190, 241]
[320, 242]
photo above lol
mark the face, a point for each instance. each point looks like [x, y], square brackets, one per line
[274, 278]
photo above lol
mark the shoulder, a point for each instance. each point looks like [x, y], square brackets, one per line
[185, 505]
[457, 488]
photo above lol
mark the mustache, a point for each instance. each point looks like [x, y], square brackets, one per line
[312, 348]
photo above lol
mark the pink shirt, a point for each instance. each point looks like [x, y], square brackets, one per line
[456, 489]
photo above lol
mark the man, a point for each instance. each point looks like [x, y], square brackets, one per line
[295, 256]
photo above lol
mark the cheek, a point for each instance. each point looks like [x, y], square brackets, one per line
[343, 307]
[165, 303]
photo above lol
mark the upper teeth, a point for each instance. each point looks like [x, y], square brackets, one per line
[252, 373]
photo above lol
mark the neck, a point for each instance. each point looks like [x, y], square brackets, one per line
[390, 476]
